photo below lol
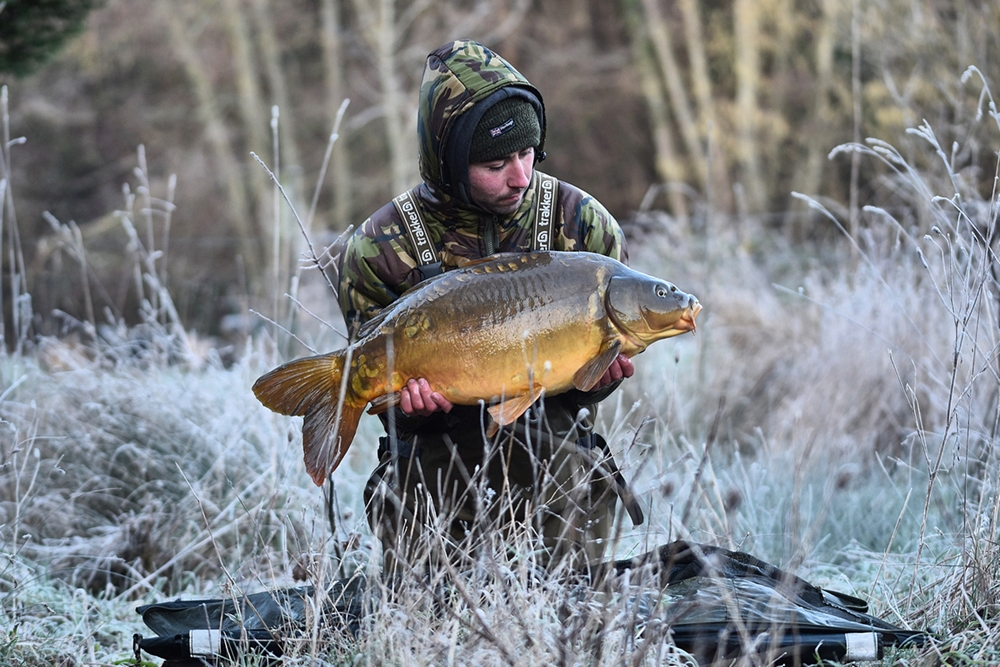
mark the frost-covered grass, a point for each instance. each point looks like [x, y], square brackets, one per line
[836, 414]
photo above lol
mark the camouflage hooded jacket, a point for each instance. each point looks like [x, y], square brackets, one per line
[377, 263]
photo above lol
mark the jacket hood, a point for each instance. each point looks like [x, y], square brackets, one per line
[461, 80]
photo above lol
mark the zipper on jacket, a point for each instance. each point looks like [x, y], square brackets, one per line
[490, 237]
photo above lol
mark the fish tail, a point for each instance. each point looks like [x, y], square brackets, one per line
[326, 439]
[293, 388]
[310, 388]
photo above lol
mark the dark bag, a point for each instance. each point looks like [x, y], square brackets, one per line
[203, 631]
[724, 604]
[718, 604]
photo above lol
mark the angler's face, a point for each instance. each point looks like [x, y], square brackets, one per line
[498, 186]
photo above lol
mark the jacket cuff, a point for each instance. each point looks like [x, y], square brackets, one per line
[592, 397]
[404, 423]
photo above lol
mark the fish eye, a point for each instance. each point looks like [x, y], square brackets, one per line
[664, 289]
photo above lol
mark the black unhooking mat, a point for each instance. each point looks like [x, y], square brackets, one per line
[718, 604]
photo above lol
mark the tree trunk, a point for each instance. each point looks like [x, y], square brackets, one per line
[271, 54]
[392, 99]
[378, 24]
[747, 40]
[215, 133]
[669, 169]
[335, 94]
[701, 84]
[856, 97]
[287, 239]
[816, 141]
[659, 35]
[781, 20]
[251, 108]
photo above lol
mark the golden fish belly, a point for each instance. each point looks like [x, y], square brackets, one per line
[507, 362]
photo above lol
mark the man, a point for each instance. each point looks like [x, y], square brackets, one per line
[442, 487]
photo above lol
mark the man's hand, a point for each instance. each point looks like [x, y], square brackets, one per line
[620, 368]
[417, 398]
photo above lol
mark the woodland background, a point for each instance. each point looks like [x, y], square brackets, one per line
[710, 111]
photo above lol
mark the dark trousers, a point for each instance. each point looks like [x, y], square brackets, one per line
[535, 490]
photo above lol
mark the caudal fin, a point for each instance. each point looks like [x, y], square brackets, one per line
[325, 440]
[310, 388]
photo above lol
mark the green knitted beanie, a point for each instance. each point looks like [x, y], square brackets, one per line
[509, 126]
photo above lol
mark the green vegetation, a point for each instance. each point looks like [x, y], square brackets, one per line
[32, 31]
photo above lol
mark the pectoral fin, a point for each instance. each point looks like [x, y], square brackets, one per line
[383, 403]
[585, 378]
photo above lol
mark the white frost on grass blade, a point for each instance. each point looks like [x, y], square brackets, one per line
[856, 445]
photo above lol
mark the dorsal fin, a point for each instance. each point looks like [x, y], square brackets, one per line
[374, 323]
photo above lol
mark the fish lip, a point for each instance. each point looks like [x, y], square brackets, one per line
[686, 322]
[683, 325]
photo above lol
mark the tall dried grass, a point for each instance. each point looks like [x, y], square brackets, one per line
[836, 414]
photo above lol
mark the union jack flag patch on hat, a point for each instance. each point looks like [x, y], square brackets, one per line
[500, 129]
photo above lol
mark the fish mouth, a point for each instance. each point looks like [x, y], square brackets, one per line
[683, 324]
[686, 321]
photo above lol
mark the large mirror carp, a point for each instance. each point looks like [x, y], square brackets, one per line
[500, 330]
